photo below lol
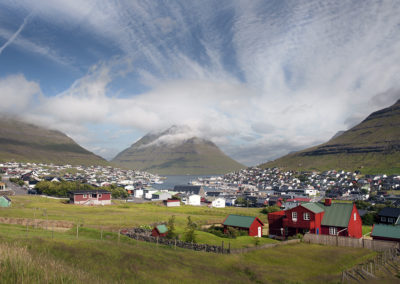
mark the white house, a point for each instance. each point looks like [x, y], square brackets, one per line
[160, 196]
[193, 199]
[148, 193]
[218, 203]
[172, 202]
[138, 193]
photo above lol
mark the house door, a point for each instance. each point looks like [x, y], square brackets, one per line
[317, 231]
[259, 232]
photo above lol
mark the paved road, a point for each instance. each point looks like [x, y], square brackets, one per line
[18, 190]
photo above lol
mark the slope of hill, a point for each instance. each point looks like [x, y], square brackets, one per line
[373, 146]
[173, 152]
[24, 142]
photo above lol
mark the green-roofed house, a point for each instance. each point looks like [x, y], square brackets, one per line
[386, 232]
[337, 219]
[160, 231]
[5, 201]
[252, 225]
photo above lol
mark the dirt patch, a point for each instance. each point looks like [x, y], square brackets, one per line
[55, 225]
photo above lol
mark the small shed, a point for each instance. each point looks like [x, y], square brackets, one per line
[5, 201]
[172, 202]
[159, 231]
[253, 225]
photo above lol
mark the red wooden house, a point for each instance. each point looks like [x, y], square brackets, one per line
[317, 218]
[159, 231]
[90, 197]
[252, 225]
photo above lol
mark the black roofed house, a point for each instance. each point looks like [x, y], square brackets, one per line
[190, 189]
[389, 215]
[253, 225]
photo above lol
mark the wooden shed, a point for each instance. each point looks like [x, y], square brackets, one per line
[252, 225]
[160, 231]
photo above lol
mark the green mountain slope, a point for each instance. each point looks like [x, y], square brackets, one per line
[192, 155]
[24, 142]
[373, 146]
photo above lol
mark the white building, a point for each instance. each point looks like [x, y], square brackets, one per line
[193, 199]
[218, 203]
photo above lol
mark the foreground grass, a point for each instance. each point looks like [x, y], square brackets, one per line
[60, 258]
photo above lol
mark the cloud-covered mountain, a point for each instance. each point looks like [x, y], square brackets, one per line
[25, 142]
[373, 146]
[176, 151]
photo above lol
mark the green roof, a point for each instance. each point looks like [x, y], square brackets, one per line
[398, 221]
[337, 214]
[387, 231]
[162, 229]
[239, 221]
[312, 207]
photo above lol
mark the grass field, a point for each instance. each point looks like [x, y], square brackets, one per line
[42, 256]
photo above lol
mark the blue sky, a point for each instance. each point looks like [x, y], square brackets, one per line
[259, 78]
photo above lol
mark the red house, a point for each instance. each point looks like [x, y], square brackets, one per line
[327, 218]
[159, 231]
[90, 197]
[252, 225]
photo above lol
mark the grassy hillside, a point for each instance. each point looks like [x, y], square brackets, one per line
[29, 255]
[373, 146]
[24, 142]
[192, 156]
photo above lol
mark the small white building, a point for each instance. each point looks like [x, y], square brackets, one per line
[218, 203]
[161, 196]
[138, 193]
[193, 199]
[172, 202]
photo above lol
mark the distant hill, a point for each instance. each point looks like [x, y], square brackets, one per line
[24, 142]
[175, 152]
[373, 146]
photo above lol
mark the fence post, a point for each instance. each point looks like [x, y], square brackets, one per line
[175, 243]
[222, 250]
[101, 233]
[77, 230]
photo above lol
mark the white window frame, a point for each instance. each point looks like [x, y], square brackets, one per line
[333, 231]
[294, 216]
[306, 216]
[390, 220]
[99, 195]
[84, 196]
[383, 219]
[355, 217]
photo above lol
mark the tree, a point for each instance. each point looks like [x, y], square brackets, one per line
[190, 235]
[270, 209]
[171, 228]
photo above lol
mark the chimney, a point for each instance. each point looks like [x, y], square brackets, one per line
[328, 201]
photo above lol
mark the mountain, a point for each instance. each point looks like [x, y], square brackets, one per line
[373, 146]
[176, 151]
[24, 142]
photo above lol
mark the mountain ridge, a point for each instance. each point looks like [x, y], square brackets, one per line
[176, 151]
[372, 146]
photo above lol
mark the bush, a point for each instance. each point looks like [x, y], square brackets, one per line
[190, 235]
[270, 209]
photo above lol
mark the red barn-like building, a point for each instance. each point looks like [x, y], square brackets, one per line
[159, 231]
[317, 218]
[252, 225]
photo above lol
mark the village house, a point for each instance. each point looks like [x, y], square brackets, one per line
[172, 202]
[386, 232]
[90, 197]
[190, 189]
[252, 225]
[159, 231]
[5, 201]
[338, 219]
[388, 215]
[218, 203]
[193, 199]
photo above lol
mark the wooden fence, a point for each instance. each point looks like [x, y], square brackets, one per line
[375, 245]
[386, 262]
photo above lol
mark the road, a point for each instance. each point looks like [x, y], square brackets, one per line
[18, 190]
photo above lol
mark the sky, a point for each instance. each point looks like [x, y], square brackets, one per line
[258, 78]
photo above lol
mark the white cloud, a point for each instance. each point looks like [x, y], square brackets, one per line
[274, 76]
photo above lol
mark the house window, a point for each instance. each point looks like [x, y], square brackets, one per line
[84, 196]
[99, 195]
[332, 231]
[355, 216]
[390, 220]
[306, 216]
[294, 216]
[383, 219]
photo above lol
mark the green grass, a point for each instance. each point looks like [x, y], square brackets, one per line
[39, 258]
[366, 229]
